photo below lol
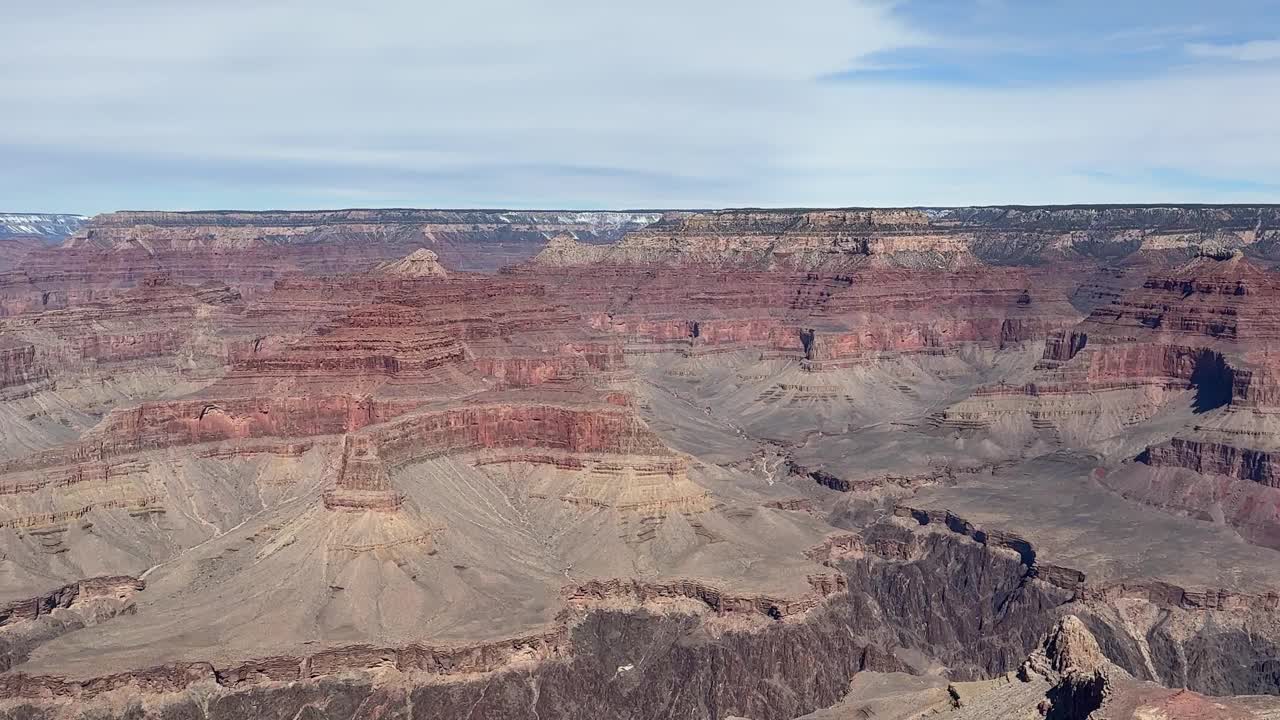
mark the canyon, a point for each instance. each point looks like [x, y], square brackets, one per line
[748, 463]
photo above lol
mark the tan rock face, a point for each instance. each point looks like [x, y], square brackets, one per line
[1071, 648]
[564, 250]
[421, 263]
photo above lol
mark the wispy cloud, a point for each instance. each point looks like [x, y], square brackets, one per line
[1251, 51]
[271, 103]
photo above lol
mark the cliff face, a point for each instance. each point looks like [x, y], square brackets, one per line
[18, 364]
[932, 238]
[821, 319]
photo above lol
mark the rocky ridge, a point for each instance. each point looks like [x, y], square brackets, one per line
[929, 238]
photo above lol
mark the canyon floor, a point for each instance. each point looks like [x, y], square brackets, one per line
[769, 464]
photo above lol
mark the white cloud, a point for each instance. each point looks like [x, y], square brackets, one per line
[566, 102]
[1252, 51]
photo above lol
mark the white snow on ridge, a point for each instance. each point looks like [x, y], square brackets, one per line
[610, 218]
[54, 227]
[47, 225]
[591, 218]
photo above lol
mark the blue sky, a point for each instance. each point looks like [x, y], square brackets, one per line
[1005, 43]
[669, 103]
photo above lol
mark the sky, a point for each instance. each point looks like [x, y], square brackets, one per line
[259, 104]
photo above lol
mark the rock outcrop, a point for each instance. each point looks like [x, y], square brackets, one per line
[421, 263]
[18, 365]
[564, 250]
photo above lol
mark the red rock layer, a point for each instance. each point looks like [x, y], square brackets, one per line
[602, 429]
[373, 332]
[1205, 326]
[814, 316]
[1221, 305]
[155, 325]
[493, 424]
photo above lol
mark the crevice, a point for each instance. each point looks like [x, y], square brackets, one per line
[1212, 380]
[807, 336]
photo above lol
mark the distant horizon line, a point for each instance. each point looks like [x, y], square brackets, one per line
[727, 208]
